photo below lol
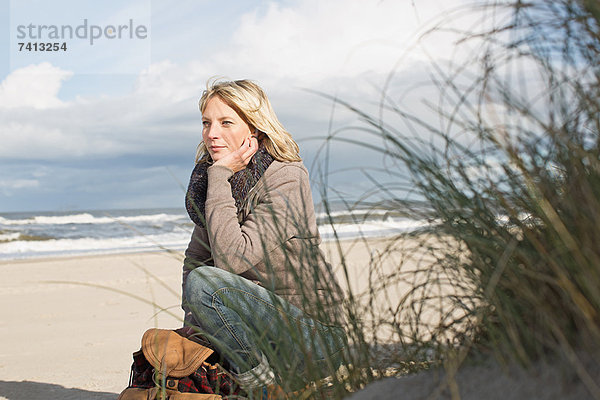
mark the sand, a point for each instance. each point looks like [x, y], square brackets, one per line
[57, 336]
[69, 325]
[544, 380]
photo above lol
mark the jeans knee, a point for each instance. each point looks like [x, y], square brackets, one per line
[196, 286]
[203, 282]
[198, 278]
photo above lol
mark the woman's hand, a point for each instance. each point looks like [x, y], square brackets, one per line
[239, 159]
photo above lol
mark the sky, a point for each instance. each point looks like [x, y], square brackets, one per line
[113, 122]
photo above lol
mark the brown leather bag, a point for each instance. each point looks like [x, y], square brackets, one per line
[172, 357]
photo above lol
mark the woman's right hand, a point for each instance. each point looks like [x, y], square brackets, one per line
[239, 159]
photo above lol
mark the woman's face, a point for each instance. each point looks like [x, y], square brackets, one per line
[223, 131]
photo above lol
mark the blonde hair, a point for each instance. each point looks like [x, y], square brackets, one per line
[253, 106]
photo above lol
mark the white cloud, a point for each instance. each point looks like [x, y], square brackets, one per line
[344, 47]
[34, 139]
[19, 183]
[9, 186]
[33, 86]
[166, 80]
[313, 40]
[340, 47]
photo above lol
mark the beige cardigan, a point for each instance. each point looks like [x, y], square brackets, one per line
[273, 241]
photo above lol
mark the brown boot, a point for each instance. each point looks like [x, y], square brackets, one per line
[270, 392]
[276, 392]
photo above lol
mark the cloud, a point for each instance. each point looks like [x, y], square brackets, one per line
[111, 144]
[310, 41]
[9, 186]
[19, 183]
[34, 86]
[341, 47]
[167, 81]
[151, 119]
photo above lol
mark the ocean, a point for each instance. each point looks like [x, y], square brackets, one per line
[55, 234]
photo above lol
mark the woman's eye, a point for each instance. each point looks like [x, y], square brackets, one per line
[205, 123]
[227, 122]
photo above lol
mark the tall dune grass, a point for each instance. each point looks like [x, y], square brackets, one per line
[509, 177]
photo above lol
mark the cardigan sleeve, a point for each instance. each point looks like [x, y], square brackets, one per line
[275, 217]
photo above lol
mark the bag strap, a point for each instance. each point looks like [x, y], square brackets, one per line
[171, 354]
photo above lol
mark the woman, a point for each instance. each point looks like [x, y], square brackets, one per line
[255, 283]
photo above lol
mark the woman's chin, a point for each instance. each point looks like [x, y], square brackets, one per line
[217, 155]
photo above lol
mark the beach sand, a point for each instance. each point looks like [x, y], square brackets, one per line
[69, 325]
[73, 323]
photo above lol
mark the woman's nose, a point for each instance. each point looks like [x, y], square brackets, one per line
[212, 132]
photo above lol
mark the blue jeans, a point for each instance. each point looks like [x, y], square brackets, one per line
[251, 325]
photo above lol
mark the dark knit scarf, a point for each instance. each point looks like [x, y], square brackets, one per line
[241, 183]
